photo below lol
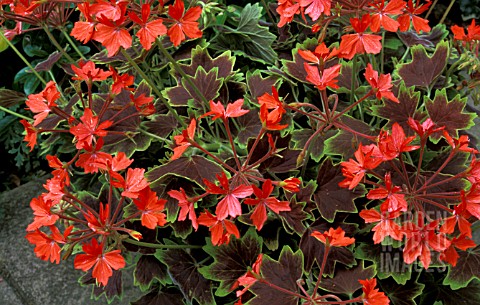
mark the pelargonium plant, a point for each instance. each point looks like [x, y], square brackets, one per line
[290, 152]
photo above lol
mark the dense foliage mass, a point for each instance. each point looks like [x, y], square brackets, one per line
[290, 152]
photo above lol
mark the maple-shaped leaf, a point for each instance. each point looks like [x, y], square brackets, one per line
[9, 98]
[232, 260]
[283, 161]
[183, 270]
[248, 127]
[400, 112]
[434, 290]
[404, 294]
[157, 296]
[313, 250]
[249, 38]
[283, 273]
[388, 261]
[449, 113]
[161, 125]
[295, 217]
[466, 270]
[208, 83]
[345, 143]
[428, 40]
[345, 280]
[331, 198]
[423, 70]
[295, 67]
[124, 136]
[200, 57]
[258, 85]
[317, 144]
[147, 269]
[194, 168]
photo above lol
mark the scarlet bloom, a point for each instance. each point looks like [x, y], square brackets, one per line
[354, 171]
[150, 30]
[271, 120]
[183, 141]
[42, 212]
[383, 12]
[102, 262]
[395, 200]
[314, 8]
[121, 82]
[328, 78]
[263, 200]
[287, 9]
[88, 72]
[99, 224]
[221, 230]
[185, 23]
[43, 102]
[229, 205]
[472, 30]
[46, 246]
[460, 216]
[386, 224]
[360, 42]
[410, 15]
[320, 55]
[61, 170]
[86, 131]
[450, 255]
[93, 159]
[233, 110]
[151, 208]
[143, 104]
[425, 129]
[134, 183]
[31, 136]
[382, 85]
[83, 30]
[333, 237]
[372, 296]
[391, 145]
[248, 279]
[187, 206]
[420, 238]
[460, 144]
[290, 184]
[111, 34]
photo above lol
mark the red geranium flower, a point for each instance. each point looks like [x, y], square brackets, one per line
[150, 30]
[151, 207]
[382, 85]
[372, 296]
[229, 205]
[360, 42]
[86, 131]
[46, 246]
[221, 230]
[183, 141]
[187, 206]
[102, 262]
[186, 23]
[333, 237]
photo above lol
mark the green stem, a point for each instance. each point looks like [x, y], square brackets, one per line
[159, 246]
[446, 12]
[431, 9]
[23, 59]
[74, 46]
[57, 45]
[15, 114]
[154, 87]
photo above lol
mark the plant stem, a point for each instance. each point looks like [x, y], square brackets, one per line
[446, 12]
[160, 246]
[74, 46]
[154, 87]
[23, 59]
[57, 45]
[322, 268]
[431, 9]
[15, 114]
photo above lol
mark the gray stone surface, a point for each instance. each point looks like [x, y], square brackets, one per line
[25, 279]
